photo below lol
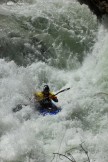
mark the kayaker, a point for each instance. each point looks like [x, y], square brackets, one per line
[45, 98]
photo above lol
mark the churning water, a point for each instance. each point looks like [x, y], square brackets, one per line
[59, 43]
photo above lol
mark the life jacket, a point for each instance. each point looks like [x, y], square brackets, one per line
[40, 96]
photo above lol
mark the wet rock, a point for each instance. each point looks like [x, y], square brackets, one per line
[98, 7]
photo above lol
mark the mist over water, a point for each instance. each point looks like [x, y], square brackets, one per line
[61, 44]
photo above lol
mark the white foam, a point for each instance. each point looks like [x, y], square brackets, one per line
[28, 136]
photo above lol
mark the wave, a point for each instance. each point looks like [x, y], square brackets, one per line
[26, 135]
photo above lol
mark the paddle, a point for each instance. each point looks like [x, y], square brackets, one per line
[62, 91]
[19, 106]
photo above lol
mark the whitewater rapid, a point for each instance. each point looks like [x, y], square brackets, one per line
[26, 136]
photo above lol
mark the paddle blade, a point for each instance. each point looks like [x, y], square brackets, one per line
[17, 108]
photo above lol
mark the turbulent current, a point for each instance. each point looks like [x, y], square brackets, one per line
[59, 43]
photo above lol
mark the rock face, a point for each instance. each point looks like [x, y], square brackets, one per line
[98, 7]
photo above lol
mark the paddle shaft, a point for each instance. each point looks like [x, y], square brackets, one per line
[62, 91]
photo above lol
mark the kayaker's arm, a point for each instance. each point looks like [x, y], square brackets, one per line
[53, 97]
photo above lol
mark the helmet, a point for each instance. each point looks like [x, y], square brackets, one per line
[46, 88]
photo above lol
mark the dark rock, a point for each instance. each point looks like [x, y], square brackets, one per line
[98, 7]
